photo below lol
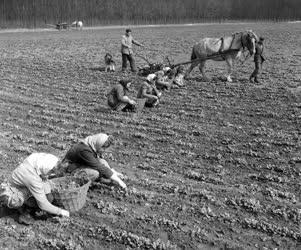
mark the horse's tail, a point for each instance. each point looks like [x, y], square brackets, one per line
[193, 55]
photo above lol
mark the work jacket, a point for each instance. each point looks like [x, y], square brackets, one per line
[127, 44]
[83, 156]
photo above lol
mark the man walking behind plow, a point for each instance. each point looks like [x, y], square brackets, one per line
[127, 51]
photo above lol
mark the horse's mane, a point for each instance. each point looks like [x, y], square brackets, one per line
[246, 32]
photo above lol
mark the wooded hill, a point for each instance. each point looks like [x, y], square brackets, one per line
[38, 13]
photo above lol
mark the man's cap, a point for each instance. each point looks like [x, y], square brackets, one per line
[128, 30]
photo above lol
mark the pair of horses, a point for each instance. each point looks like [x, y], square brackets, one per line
[77, 24]
[227, 49]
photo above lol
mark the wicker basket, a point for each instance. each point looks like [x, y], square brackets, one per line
[72, 199]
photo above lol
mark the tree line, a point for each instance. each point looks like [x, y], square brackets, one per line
[39, 13]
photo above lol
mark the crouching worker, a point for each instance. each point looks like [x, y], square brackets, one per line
[27, 187]
[118, 99]
[87, 156]
[178, 81]
[162, 81]
[149, 91]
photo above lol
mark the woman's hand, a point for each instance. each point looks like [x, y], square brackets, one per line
[65, 213]
[120, 175]
[117, 180]
[132, 102]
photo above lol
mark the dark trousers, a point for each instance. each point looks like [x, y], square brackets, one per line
[256, 70]
[130, 58]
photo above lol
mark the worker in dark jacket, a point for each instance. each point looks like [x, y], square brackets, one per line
[149, 91]
[258, 60]
[86, 156]
[118, 99]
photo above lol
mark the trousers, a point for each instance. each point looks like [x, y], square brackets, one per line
[130, 58]
[256, 70]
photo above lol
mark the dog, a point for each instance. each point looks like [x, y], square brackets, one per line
[109, 62]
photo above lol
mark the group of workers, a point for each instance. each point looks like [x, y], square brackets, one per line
[150, 89]
[28, 189]
[164, 79]
[29, 186]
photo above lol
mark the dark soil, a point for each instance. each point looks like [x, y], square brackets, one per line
[216, 166]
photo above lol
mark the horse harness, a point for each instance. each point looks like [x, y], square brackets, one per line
[224, 53]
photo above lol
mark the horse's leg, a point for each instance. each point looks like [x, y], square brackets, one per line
[202, 69]
[191, 67]
[229, 62]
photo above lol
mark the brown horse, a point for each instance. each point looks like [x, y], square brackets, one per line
[222, 49]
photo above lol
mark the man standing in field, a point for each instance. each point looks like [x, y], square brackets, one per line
[258, 60]
[127, 51]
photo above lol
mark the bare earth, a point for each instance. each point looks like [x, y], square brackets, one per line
[216, 166]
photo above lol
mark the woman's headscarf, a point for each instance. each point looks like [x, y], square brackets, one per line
[96, 142]
[151, 77]
[124, 83]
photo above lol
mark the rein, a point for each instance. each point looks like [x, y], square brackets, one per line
[142, 57]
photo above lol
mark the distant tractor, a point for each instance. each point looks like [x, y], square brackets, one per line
[66, 26]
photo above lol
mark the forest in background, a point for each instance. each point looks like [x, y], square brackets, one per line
[39, 13]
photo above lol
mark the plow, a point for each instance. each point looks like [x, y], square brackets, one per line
[156, 66]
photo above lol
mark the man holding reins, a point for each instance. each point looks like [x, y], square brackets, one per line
[258, 60]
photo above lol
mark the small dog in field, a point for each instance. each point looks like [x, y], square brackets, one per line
[109, 62]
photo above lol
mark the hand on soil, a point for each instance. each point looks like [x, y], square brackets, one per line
[65, 213]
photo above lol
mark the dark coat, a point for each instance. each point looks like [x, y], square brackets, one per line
[258, 53]
[83, 156]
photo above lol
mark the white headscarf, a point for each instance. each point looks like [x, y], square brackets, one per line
[151, 77]
[96, 141]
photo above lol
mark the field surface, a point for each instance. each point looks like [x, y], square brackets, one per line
[216, 166]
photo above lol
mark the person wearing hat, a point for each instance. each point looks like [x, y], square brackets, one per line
[28, 187]
[149, 91]
[86, 157]
[118, 97]
[127, 50]
[258, 60]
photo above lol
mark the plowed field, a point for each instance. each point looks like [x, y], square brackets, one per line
[216, 166]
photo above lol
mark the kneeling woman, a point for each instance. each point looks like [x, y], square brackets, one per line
[149, 91]
[118, 99]
[86, 156]
[27, 187]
